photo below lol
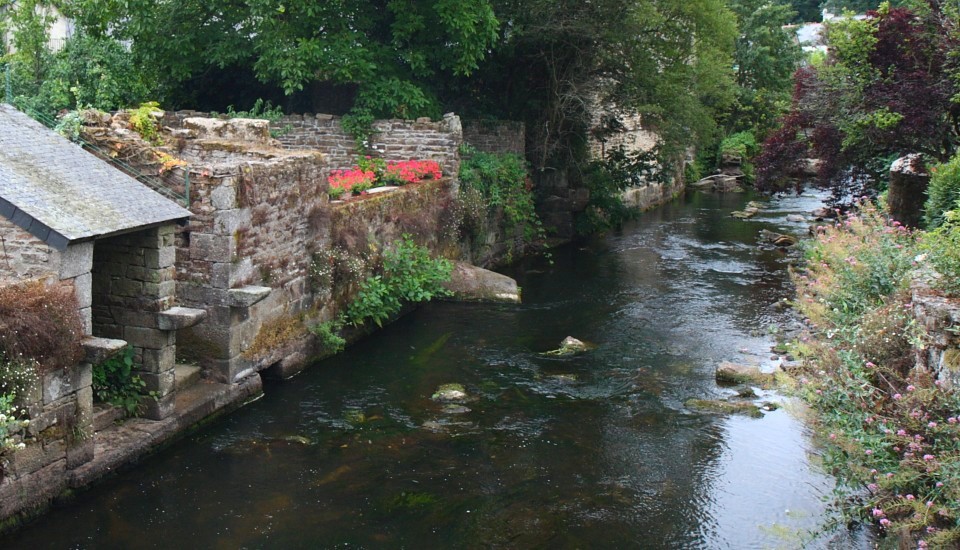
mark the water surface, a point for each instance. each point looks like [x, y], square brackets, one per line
[592, 451]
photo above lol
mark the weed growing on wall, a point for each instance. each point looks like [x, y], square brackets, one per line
[503, 182]
[12, 421]
[891, 432]
[409, 275]
[115, 383]
[144, 119]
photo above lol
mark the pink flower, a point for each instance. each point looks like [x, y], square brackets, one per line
[873, 487]
[884, 522]
[928, 458]
[877, 513]
[939, 484]
[897, 396]
[868, 452]
[901, 432]
[910, 497]
[911, 387]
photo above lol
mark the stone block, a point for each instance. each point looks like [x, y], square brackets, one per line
[158, 409]
[34, 457]
[57, 384]
[98, 349]
[177, 318]
[80, 452]
[86, 320]
[227, 222]
[159, 360]
[213, 248]
[76, 260]
[224, 197]
[247, 296]
[162, 383]
[83, 289]
[83, 377]
[148, 338]
[159, 258]
[18, 493]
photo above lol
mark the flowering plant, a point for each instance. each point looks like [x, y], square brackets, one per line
[411, 171]
[353, 181]
[11, 423]
[370, 171]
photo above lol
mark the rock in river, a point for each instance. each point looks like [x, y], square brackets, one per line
[733, 373]
[570, 346]
[450, 392]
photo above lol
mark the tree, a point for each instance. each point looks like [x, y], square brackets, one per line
[863, 106]
[766, 57]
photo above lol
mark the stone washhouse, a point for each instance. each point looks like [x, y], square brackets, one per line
[69, 218]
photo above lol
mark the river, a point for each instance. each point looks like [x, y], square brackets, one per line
[591, 451]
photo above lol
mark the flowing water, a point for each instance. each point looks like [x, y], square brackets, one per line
[590, 451]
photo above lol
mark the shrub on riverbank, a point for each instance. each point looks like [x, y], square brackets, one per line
[892, 433]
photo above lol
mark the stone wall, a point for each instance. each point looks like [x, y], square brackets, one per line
[133, 282]
[496, 136]
[23, 256]
[393, 139]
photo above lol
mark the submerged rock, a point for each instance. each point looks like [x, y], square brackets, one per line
[797, 218]
[563, 378]
[455, 409]
[570, 346]
[450, 392]
[733, 373]
[725, 407]
[777, 239]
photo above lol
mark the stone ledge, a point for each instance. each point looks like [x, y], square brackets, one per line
[98, 350]
[247, 296]
[177, 318]
[123, 444]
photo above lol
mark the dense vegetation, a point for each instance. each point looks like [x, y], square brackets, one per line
[885, 89]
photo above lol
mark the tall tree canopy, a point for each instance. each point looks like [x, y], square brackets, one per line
[887, 88]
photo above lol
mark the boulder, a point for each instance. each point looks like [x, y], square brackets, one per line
[908, 189]
[470, 283]
[450, 393]
[734, 373]
[570, 346]
[723, 407]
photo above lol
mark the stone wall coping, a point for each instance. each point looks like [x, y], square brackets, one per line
[247, 296]
[180, 317]
[99, 349]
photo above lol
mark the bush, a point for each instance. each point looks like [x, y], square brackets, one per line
[503, 182]
[892, 434]
[115, 383]
[943, 192]
[942, 247]
[40, 322]
[740, 145]
[409, 275]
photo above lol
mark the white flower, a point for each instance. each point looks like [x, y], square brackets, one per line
[920, 257]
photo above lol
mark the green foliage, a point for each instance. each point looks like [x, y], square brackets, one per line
[766, 55]
[144, 119]
[607, 179]
[942, 247]
[328, 334]
[409, 275]
[943, 191]
[741, 145]
[12, 421]
[114, 382]
[264, 110]
[503, 183]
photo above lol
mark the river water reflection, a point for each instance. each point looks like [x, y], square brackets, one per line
[591, 451]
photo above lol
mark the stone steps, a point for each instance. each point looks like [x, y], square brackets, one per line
[185, 376]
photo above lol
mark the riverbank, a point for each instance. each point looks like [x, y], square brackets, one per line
[589, 449]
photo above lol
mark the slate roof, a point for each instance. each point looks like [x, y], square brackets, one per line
[60, 193]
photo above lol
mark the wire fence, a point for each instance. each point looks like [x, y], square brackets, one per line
[173, 184]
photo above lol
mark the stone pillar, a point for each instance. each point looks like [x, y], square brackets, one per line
[908, 190]
[134, 283]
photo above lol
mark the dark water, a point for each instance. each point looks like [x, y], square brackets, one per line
[592, 451]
